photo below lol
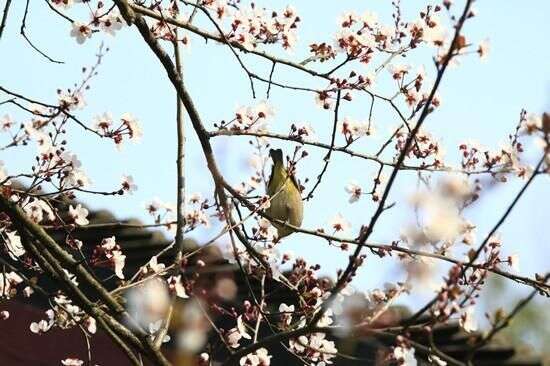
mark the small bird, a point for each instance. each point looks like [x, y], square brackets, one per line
[286, 200]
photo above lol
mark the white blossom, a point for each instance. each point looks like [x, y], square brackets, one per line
[326, 319]
[109, 243]
[513, 261]
[266, 230]
[339, 223]
[398, 70]
[133, 126]
[3, 173]
[128, 184]
[8, 281]
[175, 285]
[119, 260]
[79, 214]
[195, 198]
[103, 122]
[13, 243]
[260, 357]
[111, 23]
[154, 206]
[41, 327]
[436, 360]
[28, 291]
[233, 336]
[286, 313]
[355, 191]
[81, 32]
[405, 356]
[355, 129]
[149, 302]
[241, 327]
[91, 325]
[72, 362]
[155, 266]
[36, 209]
[484, 49]
[468, 321]
[370, 19]
[76, 178]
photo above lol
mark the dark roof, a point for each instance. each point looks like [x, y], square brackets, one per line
[20, 347]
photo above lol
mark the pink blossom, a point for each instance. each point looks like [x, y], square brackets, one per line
[6, 122]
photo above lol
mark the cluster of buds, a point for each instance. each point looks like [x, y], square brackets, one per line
[301, 132]
[322, 51]
[355, 81]
[462, 286]
[505, 160]
[304, 277]
[423, 147]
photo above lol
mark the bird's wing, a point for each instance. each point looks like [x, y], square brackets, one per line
[269, 189]
[295, 182]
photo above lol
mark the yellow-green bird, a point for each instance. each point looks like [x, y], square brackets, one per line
[286, 200]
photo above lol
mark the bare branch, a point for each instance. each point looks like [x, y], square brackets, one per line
[22, 31]
[5, 17]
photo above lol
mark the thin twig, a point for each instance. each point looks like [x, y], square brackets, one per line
[5, 17]
[331, 148]
[22, 32]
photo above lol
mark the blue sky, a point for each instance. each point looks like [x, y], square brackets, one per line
[480, 101]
